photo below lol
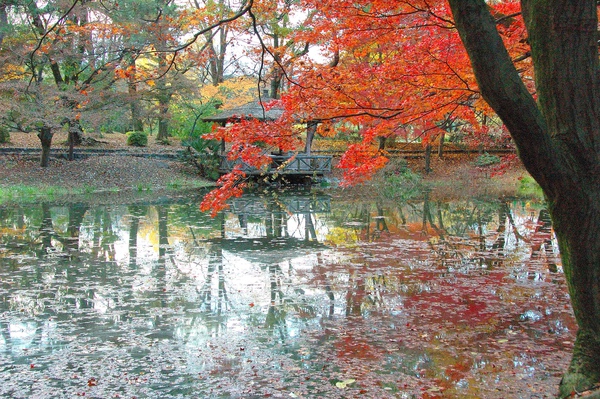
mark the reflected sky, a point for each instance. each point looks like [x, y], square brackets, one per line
[293, 295]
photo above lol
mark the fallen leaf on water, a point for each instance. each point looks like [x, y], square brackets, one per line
[345, 383]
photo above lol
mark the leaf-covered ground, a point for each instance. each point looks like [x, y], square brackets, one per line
[97, 173]
[449, 175]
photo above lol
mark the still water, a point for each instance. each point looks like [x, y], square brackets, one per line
[297, 295]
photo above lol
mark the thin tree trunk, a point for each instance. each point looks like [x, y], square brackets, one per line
[163, 120]
[3, 21]
[428, 158]
[75, 137]
[45, 135]
[137, 125]
[311, 129]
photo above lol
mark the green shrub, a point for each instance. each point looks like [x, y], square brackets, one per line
[486, 159]
[403, 185]
[186, 119]
[529, 188]
[137, 139]
[205, 156]
[4, 135]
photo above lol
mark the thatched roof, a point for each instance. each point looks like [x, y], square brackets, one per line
[252, 110]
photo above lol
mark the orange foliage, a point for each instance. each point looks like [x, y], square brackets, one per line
[395, 67]
[229, 185]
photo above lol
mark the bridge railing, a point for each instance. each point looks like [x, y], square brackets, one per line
[300, 164]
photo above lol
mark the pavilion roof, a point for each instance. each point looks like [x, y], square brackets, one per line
[252, 110]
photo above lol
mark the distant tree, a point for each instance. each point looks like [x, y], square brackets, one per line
[217, 40]
[54, 74]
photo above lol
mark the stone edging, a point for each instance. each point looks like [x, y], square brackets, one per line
[79, 153]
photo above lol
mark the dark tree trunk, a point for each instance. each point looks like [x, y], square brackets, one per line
[75, 136]
[164, 100]
[163, 125]
[441, 145]
[136, 119]
[428, 158]
[558, 140]
[381, 145]
[45, 134]
[3, 21]
[134, 101]
[216, 62]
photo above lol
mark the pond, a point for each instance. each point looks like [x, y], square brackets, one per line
[290, 294]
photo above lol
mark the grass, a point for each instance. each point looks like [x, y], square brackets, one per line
[89, 189]
[144, 187]
[27, 194]
[176, 184]
[24, 194]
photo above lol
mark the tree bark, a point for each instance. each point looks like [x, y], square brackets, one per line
[75, 137]
[163, 117]
[441, 145]
[311, 130]
[216, 62]
[558, 140]
[164, 94]
[45, 135]
[3, 21]
[428, 158]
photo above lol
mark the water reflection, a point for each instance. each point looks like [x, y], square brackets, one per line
[288, 295]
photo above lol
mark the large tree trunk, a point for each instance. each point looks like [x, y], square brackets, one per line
[164, 99]
[45, 135]
[558, 140]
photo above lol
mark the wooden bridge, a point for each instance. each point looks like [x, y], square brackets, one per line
[295, 165]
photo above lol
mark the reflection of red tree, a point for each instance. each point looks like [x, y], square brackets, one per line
[460, 302]
[357, 347]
